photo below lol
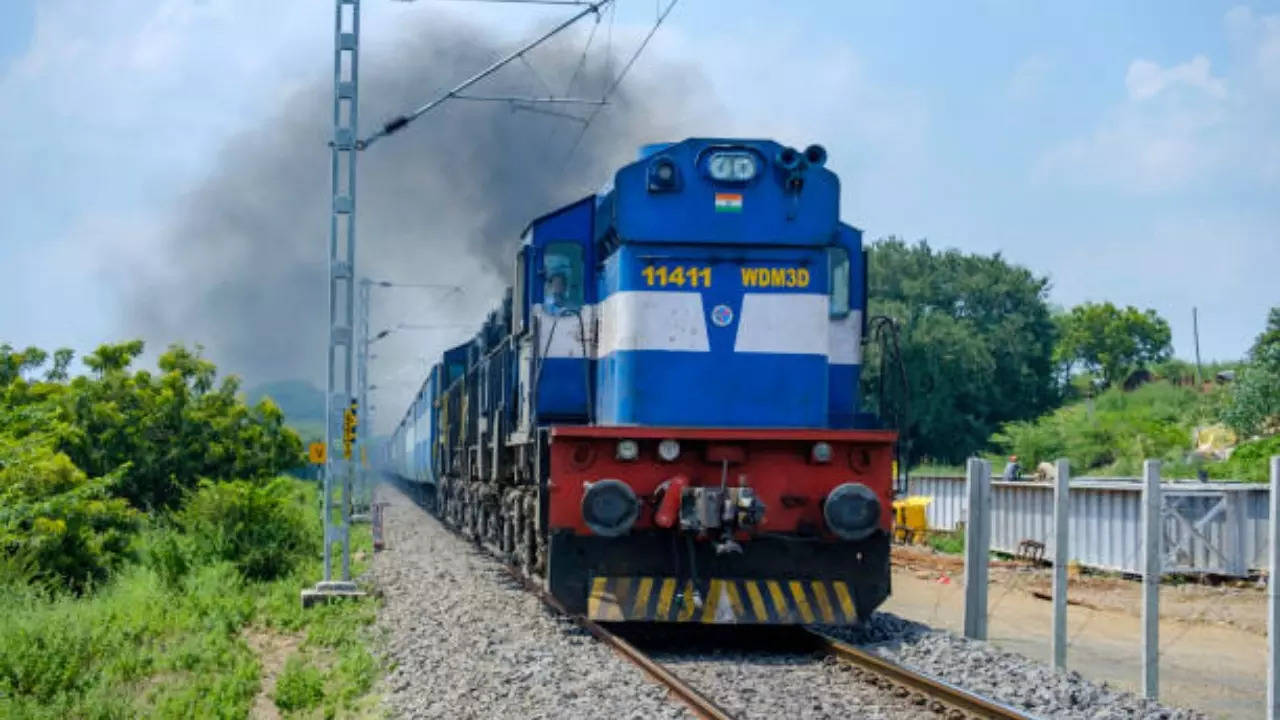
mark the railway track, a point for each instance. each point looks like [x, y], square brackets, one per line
[942, 698]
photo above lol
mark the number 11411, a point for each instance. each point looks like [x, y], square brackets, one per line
[678, 275]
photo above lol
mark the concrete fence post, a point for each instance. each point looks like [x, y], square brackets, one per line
[1152, 537]
[1273, 595]
[1061, 520]
[977, 543]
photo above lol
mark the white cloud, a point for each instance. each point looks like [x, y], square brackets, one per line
[1184, 125]
[1146, 79]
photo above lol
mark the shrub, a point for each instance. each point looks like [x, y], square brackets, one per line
[263, 530]
[1117, 433]
[299, 686]
[55, 522]
[1250, 461]
[1255, 396]
[168, 554]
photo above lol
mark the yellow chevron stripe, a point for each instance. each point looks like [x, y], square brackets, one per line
[824, 605]
[593, 600]
[757, 602]
[687, 608]
[610, 607]
[711, 601]
[641, 603]
[621, 591]
[665, 596]
[846, 602]
[735, 601]
[621, 598]
[802, 603]
[779, 600]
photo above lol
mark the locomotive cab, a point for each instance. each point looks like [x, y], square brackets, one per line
[723, 303]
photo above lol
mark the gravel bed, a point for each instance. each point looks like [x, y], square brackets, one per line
[467, 641]
[769, 685]
[1012, 679]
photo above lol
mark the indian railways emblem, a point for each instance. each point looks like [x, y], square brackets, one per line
[721, 315]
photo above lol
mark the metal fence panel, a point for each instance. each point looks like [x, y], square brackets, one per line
[1218, 528]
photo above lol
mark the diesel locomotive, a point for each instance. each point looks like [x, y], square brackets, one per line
[661, 421]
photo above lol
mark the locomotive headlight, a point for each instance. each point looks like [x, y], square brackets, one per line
[851, 511]
[821, 453]
[663, 175]
[732, 166]
[669, 450]
[628, 450]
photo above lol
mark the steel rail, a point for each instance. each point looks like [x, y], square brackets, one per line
[701, 705]
[955, 698]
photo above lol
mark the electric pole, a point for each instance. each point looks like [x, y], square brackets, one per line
[338, 470]
[1195, 333]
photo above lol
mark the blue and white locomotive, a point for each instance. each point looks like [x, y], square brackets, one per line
[662, 420]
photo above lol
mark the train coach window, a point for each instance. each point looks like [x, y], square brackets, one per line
[562, 276]
[838, 260]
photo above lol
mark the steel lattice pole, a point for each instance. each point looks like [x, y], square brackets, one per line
[342, 252]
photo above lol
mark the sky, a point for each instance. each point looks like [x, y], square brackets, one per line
[1127, 151]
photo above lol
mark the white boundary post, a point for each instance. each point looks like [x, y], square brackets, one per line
[977, 542]
[1273, 597]
[1152, 535]
[1061, 518]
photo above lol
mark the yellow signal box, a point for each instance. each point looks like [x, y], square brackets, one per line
[349, 422]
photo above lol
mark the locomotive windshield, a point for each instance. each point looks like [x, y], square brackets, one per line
[562, 270]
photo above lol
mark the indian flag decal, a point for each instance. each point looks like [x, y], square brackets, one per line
[729, 202]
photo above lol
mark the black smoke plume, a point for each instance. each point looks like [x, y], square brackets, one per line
[243, 269]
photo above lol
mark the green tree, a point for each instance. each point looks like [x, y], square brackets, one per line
[1254, 407]
[1269, 337]
[976, 340]
[1111, 341]
[80, 457]
[170, 430]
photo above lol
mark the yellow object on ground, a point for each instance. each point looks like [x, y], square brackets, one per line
[910, 517]
[1216, 441]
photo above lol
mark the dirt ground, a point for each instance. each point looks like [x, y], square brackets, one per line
[272, 650]
[1212, 638]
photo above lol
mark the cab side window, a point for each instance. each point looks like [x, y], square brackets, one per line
[838, 261]
[562, 276]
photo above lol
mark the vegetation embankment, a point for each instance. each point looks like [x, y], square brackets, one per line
[1223, 431]
[992, 369]
[151, 553]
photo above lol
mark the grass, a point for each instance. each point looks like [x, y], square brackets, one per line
[300, 686]
[951, 543]
[147, 646]
[932, 469]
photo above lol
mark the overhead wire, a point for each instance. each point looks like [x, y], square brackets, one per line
[400, 121]
[568, 91]
[613, 86]
[522, 2]
[582, 59]
[537, 75]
